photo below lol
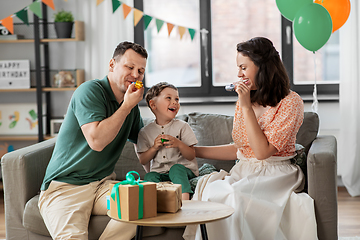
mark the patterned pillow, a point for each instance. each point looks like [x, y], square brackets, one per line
[300, 158]
[206, 168]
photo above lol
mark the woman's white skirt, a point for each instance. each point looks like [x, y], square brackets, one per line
[262, 192]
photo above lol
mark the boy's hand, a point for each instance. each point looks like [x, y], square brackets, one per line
[158, 143]
[170, 141]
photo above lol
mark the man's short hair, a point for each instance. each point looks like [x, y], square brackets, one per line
[123, 46]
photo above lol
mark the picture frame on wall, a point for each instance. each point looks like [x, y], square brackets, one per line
[55, 126]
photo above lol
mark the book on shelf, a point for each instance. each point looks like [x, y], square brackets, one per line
[11, 37]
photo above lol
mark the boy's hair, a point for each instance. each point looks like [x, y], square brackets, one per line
[155, 90]
[123, 46]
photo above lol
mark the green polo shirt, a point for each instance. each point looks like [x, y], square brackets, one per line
[73, 161]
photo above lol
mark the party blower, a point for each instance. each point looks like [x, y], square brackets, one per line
[231, 86]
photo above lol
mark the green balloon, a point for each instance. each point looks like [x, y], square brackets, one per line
[289, 8]
[312, 26]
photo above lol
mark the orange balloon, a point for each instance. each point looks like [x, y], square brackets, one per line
[339, 11]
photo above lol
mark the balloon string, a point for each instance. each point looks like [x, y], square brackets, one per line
[314, 106]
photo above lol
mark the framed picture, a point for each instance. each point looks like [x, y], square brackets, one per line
[19, 119]
[55, 126]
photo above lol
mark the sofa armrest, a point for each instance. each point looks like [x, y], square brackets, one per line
[23, 171]
[322, 184]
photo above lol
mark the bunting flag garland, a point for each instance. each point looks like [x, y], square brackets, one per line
[35, 7]
[50, 3]
[97, 2]
[159, 24]
[147, 20]
[137, 16]
[192, 33]
[23, 16]
[126, 10]
[181, 31]
[8, 23]
[170, 27]
[115, 4]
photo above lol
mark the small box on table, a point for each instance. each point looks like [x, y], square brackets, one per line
[169, 197]
[129, 201]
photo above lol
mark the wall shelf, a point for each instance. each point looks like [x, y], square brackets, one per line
[44, 89]
[79, 36]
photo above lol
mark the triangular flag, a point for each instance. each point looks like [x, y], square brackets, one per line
[192, 33]
[97, 2]
[115, 4]
[170, 27]
[8, 23]
[35, 7]
[181, 31]
[137, 16]
[23, 16]
[159, 24]
[126, 10]
[147, 20]
[50, 3]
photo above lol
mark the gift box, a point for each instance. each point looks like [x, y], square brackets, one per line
[136, 200]
[168, 197]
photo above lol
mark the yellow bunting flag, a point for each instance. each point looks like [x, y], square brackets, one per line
[50, 3]
[97, 2]
[182, 31]
[8, 23]
[137, 16]
[126, 10]
[170, 27]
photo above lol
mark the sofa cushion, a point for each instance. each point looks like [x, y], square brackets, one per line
[308, 130]
[210, 130]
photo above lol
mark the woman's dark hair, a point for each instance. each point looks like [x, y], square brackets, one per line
[272, 81]
[123, 46]
[155, 91]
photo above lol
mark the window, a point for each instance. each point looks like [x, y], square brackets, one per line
[202, 66]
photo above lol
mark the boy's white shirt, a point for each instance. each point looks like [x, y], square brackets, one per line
[167, 157]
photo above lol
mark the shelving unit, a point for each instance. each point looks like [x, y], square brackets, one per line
[46, 89]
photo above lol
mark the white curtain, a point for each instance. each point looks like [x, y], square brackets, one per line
[104, 30]
[349, 139]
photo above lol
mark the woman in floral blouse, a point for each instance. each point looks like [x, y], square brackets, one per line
[261, 186]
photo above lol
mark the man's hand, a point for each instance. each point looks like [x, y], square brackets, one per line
[133, 96]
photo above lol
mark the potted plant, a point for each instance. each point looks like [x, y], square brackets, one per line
[64, 22]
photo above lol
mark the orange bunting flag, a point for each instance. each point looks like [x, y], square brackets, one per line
[97, 2]
[8, 23]
[182, 31]
[170, 27]
[50, 3]
[137, 16]
[126, 10]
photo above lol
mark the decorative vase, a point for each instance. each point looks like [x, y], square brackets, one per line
[63, 29]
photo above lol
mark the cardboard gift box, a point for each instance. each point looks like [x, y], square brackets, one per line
[129, 201]
[168, 197]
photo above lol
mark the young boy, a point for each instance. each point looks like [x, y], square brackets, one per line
[165, 146]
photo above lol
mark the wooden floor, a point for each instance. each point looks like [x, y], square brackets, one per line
[348, 208]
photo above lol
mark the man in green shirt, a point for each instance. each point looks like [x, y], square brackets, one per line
[101, 117]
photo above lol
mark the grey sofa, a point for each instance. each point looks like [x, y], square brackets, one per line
[23, 171]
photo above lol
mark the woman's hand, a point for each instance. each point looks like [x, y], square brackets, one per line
[243, 92]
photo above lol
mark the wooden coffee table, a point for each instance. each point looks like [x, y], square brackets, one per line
[191, 212]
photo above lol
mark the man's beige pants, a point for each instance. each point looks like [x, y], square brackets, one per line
[66, 210]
